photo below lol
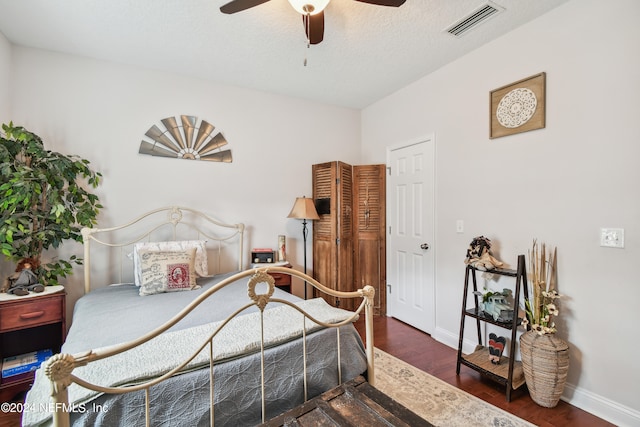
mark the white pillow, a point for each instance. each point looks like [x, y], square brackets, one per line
[200, 262]
[167, 271]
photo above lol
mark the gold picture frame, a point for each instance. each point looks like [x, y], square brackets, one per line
[518, 107]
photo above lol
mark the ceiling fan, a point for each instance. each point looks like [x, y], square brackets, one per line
[312, 12]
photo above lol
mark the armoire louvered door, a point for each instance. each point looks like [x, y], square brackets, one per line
[333, 232]
[369, 213]
[349, 240]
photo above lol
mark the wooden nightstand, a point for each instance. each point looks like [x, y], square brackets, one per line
[282, 281]
[28, 324]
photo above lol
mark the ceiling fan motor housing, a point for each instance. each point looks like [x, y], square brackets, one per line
[309, 7]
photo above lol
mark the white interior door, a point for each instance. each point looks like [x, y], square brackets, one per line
[410, 212]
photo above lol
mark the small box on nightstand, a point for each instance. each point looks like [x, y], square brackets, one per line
[261, 255]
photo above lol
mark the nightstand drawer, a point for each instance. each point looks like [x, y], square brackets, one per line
[280, 278]
[34, 312]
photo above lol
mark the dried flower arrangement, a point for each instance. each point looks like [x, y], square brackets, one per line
[542, 307]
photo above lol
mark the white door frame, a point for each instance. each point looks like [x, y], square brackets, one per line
[431, 143]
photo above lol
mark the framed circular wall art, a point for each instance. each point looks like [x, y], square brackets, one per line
[518, 107]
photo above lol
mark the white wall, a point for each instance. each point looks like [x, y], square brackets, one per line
[5, 72]
[559, 184]
[101, 111]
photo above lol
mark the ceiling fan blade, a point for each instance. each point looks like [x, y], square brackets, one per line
[314, 27]
[393, 3]
[240, 5]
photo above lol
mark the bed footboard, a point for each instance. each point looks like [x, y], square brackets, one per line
[61, 368]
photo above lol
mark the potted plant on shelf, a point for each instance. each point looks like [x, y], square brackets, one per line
[44, 201]
[545, 357]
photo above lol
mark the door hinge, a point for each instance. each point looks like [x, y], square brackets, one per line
[337, 241]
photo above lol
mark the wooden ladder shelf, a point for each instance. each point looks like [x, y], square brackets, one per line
[508, 371]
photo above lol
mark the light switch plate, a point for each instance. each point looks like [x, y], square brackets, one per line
[612, 237]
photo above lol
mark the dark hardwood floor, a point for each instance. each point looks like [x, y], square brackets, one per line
[420, 350]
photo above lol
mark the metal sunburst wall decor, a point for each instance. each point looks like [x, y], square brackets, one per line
[181, 141]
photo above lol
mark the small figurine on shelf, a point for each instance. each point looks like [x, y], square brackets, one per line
[479, 255]
[24, 279]
[496, 347]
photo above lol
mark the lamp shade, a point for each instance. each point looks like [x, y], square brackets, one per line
[303, 208]
[311, 7]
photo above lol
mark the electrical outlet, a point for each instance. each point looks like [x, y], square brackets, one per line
[612, 237]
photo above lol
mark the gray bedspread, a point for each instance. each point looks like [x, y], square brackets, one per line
[117, 314]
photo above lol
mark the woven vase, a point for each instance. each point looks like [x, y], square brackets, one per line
[545, 362]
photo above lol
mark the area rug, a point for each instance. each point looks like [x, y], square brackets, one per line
[435, 400]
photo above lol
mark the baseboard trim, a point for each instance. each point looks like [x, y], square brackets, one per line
[600, 406]
[445, 337]
[593, 403]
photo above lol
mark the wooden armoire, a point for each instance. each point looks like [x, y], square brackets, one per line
[349, 244]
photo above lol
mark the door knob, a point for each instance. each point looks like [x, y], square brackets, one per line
[424, 246]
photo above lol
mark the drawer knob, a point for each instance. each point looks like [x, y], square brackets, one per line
[32, 315]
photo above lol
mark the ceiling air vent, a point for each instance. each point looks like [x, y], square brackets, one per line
[474, 19]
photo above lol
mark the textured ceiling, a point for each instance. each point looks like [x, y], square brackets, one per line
[368, 51]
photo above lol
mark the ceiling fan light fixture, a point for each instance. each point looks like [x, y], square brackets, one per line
[309, 7]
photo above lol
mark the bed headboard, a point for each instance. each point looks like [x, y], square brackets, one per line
[108, 251]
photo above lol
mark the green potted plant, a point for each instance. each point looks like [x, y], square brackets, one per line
[44, 201]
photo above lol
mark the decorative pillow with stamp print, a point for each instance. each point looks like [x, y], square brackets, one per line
[167, 271]
[200, 261]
